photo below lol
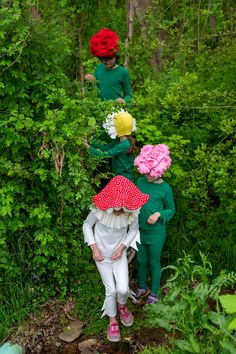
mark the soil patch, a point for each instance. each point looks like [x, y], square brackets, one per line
[40, 334]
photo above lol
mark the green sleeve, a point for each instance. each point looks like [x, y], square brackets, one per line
[114, 151]
[126, 87]
[169, 210]
[96, 72]
[102, 147]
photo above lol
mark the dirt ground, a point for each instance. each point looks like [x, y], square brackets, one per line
[41, 334]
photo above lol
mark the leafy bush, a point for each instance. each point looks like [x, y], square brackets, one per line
[228, 302]
[190, 309]
[47, 178]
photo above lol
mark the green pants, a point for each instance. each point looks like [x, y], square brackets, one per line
[149, 256]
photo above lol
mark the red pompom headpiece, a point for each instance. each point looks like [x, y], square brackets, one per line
[104, 43]
[120, 192]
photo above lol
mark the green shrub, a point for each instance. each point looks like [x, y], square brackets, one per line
[190, 309]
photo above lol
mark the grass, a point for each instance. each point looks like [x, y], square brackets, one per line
[15, 294]
[14, 306]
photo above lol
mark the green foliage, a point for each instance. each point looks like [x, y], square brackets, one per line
[228, 302]
[15, 295]
[186, 100]
[47, 176]
[195, 117]
[190, 309]
[15, 305]
[157, 350]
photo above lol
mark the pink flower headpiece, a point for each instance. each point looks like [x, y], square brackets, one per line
[153, 160]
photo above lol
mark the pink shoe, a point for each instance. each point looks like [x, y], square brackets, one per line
[126, 316]
[113, 332]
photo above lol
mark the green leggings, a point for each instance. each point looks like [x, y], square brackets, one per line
[149, 255]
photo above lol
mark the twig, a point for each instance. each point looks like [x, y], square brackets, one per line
[7, 67]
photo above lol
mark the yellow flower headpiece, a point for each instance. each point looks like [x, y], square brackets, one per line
[119, 123]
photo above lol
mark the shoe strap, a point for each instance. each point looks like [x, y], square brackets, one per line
[114, 327]
[152, 299]
[123, 311]
[141, 291]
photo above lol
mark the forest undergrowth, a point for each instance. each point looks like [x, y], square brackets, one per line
[180, 58]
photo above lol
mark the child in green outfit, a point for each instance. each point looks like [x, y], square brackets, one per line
[153, 161]
[119, 126]
[112, 79]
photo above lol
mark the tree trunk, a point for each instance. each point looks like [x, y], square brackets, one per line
[157, 56]
[214, 38]
[34, 13]
[198, 26]
[80, 47]
[140, 9]
[130, 28]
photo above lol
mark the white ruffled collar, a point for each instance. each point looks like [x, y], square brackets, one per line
[114, 221]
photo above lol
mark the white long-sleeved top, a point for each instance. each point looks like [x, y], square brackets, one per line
[108, 239]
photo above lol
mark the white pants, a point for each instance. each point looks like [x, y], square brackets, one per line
[115, 278]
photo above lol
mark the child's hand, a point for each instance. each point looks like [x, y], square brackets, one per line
[97, 256]
[118, 253]
[85, 142]
[120, 101]
[90, 78]
[153, 218]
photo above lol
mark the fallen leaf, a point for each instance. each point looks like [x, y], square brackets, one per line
[72, 332]
[88, 346]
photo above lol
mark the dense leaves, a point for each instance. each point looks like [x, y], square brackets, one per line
[190, 310]
[184, 95]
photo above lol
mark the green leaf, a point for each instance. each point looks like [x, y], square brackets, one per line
[195, 344]
[232, 324]
[91, 122]
[225, 343]
[228, 302]
[216, 318]
[185, 346]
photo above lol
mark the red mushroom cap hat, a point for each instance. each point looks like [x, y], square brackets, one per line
[104, 43]
[120, 192]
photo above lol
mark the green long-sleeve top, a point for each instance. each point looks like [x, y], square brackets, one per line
[113, 83]
[122, 162]
[161, 199]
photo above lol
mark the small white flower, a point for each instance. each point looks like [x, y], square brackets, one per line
[109, 125]
[134, 125]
